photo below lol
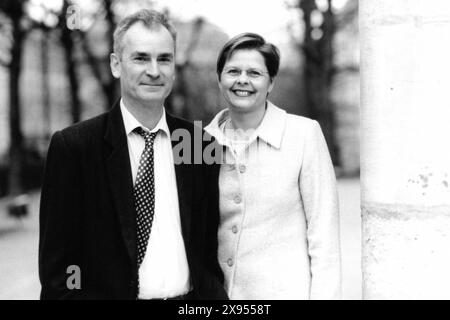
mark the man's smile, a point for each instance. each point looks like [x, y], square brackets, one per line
[153, 84]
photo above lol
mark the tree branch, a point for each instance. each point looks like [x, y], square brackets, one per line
[193, 41]
[347, 15]
[350, 68]
[92, 61]
[4, 64]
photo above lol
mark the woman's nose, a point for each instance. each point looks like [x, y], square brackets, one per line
[243, 77]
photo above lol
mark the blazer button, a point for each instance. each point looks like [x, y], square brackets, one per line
[242, 168]
[230, 262]
[234, 229]
[237, 199]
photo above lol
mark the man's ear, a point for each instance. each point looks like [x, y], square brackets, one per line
[114, 62]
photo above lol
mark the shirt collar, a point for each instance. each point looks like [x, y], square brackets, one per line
[272, 127]
[270, 130]
[213, 128]
[131, 123]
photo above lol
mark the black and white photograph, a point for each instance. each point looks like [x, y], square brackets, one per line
[244, 151]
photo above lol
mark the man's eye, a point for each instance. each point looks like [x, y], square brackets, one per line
[165, 59]
[140, 59]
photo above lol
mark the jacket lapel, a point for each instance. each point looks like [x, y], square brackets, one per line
[120, 178]
[185, 178]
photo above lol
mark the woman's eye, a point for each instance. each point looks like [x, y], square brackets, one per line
[233, 72]
[254, 73]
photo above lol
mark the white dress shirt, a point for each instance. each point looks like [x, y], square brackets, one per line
[164, 272]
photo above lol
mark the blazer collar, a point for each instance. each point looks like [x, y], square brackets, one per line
[131, 123]
[271, 129]
[273, 125]
[120, 179]
[185, 177]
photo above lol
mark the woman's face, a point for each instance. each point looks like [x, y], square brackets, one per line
[245, 82]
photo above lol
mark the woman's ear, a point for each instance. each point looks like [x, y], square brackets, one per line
[218, 82]
[272, 83]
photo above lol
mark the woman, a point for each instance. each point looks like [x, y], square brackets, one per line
[279, 228]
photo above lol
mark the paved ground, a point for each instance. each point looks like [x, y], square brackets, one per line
[19, 243]
[350, 213]
[18, 254]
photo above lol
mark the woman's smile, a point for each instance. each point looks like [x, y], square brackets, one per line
[242, 92]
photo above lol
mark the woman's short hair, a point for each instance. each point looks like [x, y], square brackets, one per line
[152, 19]
[250, 41]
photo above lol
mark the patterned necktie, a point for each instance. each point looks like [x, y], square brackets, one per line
[144, 194]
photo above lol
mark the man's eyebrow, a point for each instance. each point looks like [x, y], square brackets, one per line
[140, 54]
[145, 54]
[166, 55]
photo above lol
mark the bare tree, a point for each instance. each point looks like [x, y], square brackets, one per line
[14, 10]
[46, 105]
[111, 83]
[177, 100]
[320, 27]
[317, 49]
[100, 64]
[68, 44]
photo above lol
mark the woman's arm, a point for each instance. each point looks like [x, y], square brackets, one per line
[317, 183]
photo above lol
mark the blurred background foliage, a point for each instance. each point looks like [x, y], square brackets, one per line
[54, 71]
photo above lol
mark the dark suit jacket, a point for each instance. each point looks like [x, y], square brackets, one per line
[87, 217]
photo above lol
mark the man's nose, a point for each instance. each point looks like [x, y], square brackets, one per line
[153, 69]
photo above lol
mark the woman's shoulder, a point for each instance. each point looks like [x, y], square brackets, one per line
[292, 126]
[294, 119]
[300, 125]
[300, 120]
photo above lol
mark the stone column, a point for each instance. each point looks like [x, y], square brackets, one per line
[405, 148]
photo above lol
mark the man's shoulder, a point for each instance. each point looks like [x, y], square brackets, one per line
[175, 122]
[84, 132]
[191, 126]
[86, 127]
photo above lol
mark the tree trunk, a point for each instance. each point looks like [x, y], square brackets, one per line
[318, 71]
[73, 83]
[46, 108]
[16, 149]
[68, 45]
[177, 102]
[100, 65]
[112, 84]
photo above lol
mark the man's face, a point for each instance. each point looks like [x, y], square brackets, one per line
[146, 67]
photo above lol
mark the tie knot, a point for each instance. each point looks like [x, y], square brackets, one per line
[149, 137]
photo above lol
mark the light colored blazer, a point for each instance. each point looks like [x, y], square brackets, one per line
[279, 225]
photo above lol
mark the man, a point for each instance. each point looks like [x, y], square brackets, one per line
[118, 219]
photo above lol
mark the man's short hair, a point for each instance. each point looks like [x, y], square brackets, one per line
[250, 41]
[152, 19]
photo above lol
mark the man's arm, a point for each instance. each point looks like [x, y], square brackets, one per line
[60, 221]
